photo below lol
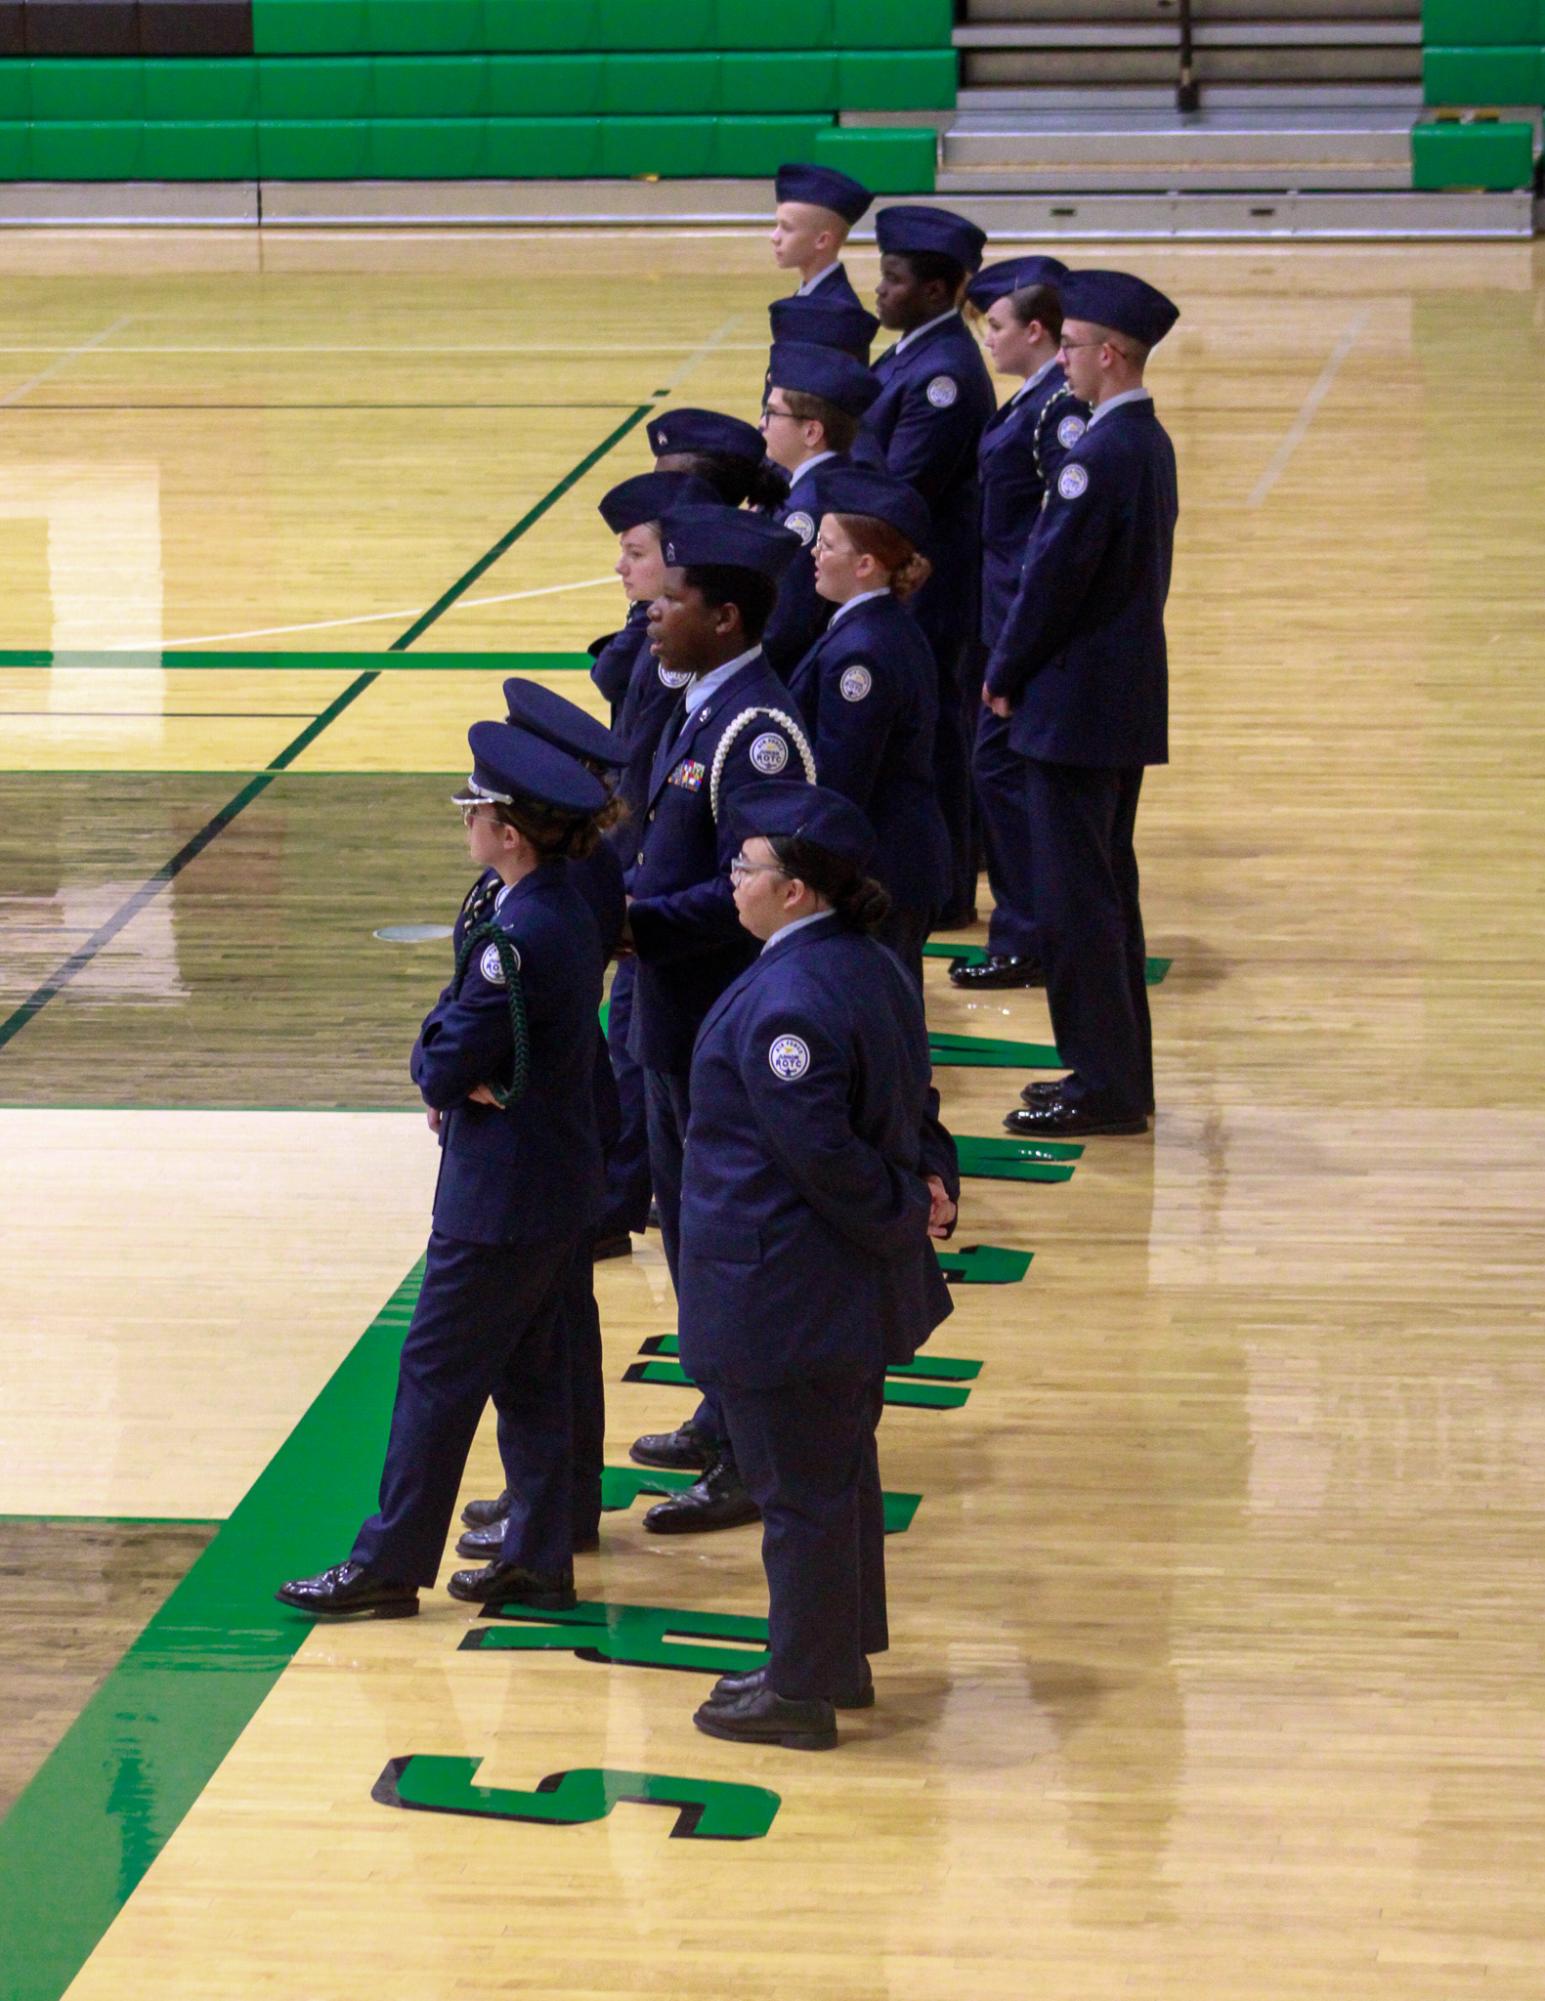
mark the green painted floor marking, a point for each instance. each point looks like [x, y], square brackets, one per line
[649, 1636]
[112, 1793]
[976, 955]
[935, 1368]
[985, 1264]
[501, 663]
[709, 1809]
[986, 1159]
[986, 1052]
[989, 1147]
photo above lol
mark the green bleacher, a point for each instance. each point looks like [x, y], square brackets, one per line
[1480, 60]
[517, 89]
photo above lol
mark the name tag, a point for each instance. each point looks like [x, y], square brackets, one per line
[689, 774]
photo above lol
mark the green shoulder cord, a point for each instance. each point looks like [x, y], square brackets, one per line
[484, 935]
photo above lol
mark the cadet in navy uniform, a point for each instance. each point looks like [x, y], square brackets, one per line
[824, 322]
[598, 878]
[726, 451]
[817, 207]
[935, 400]
[505, 1062]
[815, 398]
[1021, 451]
[816, 1171]
[869, 694]
[732, 725]
[641, 693]
[1080, 668]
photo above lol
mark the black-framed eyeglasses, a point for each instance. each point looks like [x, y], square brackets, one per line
[742, 866]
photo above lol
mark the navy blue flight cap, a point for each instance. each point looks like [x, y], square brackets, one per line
[783, 806]
[1012, 274]
[729, 537]
[510, 765]
[1117, 300]
[562, 723]
[648, 495]
[705, 431]
[858, 490]
[825, 187]
[916, 226]
[822, 371]
[825, 322]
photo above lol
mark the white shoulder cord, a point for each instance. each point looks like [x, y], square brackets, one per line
[779, 716]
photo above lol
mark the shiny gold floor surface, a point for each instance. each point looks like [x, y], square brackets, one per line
[1216, 1630]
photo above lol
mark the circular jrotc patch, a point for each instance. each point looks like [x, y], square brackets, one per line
[769, 753]
[789, 1058]
[670, 678]
[802, 526]
[942, 391]
[1072, 481]
[855, 684]
[1070, 430]
[491, 968]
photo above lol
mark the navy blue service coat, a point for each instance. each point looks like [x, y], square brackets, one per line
[804, 1227]
[1021, 453]
[505, 1175]
[801, 614]
[836, 285]
[869, 695]
[689, 941]
[936, 399]
[1082, 652]
[613, 659]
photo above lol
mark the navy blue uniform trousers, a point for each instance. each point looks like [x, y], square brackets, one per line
[581, 1330]
[1090, 928]
[627, 1160]
[668, 1107]
[999, 772]
[807, 1454]
[488, 1324]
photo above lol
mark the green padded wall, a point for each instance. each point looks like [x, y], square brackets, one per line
[1493, 155]
[1504, 74]
[1464, 23]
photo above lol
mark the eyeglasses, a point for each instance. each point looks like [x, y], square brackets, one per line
[1067, 346]
[470, 813]
[769, 411]
[742, 866]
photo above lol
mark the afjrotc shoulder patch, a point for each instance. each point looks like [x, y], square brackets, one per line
[689, 775]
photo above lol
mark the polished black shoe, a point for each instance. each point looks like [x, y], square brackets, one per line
[510, 1581]
[733, 1687]
[478, 1514]
[1055, 1118]
[348, 1590]
[620, 1246]
[1003, 969]
[717, 1501]
[487, 1542]
[1044, 1091]
[763, 1717]
[683, 1450]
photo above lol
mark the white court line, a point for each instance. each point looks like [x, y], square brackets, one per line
[1299, 428]
[383, 617]
[66, 356]
[718, 339]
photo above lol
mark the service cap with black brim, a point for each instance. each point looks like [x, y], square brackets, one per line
[786, 809]
[511, 767]
[562, 723]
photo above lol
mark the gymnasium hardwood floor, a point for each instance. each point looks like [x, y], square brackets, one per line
[1218, 1616]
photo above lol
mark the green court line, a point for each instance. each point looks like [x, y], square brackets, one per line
[486, 562]
[1154, 970]
[266, 662]
[127, 1521]
[112, 1793]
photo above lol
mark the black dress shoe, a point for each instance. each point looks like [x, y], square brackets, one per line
[1002, 970]
[478, 1514]
[683, 1450]
[763, 1717]
[1055, 1118]
[487, 1542]
[733, 1687]
[349, 1589]
[620, 1246]
[717, 1501]
[511, 1581]
[1044, 1091]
